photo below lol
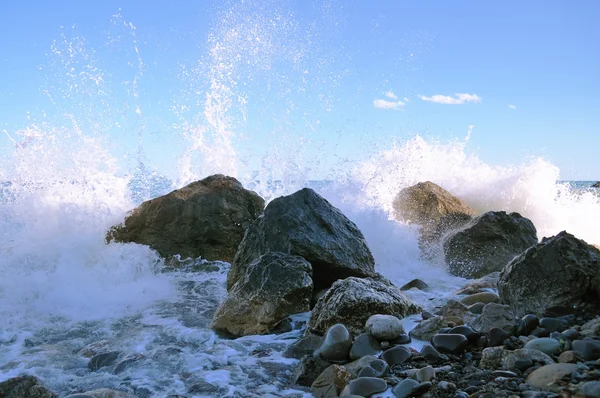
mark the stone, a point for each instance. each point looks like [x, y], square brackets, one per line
[569, 357]
[496, 337]
[336, 345]
[400, 340]
[102, 393]
[396, 355]
[415, 284]
[426, 329]
[206, 218]
[306, 345]
[430, 353]
[476, 308]
[355, 367]
[384, 327]
[591, 328]
[405, 388]
[484, 284]
[24, 387]
[488, 243]
[527, 324]
[454, 308]
[466, 331]
[367, 386]
[589, 389]
[363, 345]
[588, 349]
[203, 388]
[309, 368]
[331, 382]
[352, 301]
[495, 316]
[450, 343]
[376, 368]
[103, 360]
[546, 345]
[275, 286]
[483, 297]
[499, 358]
[554, 324]
[559, 271]
[544, 377]
[425, 374]
[306, 225]
[94, 348]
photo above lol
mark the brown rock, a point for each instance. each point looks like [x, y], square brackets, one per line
[331, 382]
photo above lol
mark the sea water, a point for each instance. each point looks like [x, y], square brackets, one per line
[66, 178]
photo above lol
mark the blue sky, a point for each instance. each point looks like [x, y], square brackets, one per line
[344, 75]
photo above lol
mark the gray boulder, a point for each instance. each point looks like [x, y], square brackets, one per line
[273, 287]
[24, 387]
[559, 271]
[306, 225]
[206, 218]
[488, 243]
[353, 300]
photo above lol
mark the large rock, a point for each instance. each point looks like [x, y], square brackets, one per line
[435, 209]
[488, 243]
[353, 300]
[206, 218]
[273, 287]
[560, 271]
[24, 387]
[306, 225]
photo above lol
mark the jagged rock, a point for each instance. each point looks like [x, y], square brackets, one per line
[331, 382]
[24, 387]
[353, 300]
[485, 283]
[206, 218]
[495, 316]
[306, 225]
[435, 209]
[274, 286]
[559, 271]
[428, 328]
[488, 243]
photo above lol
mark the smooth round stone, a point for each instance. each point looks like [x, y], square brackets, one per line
[568, 357]
[396, 355]
[496, 337]
[402, 339]
[377, 368]
[364, 345]
[544, 376]
[571, 334]
[450, 343]
[476, 308]
[337, 344]
[384, 327]
[523, 364]
[588, 349]
[483, 297]
[527, 324]
[540, 332]
[590, 389]
[367, 386]
[554, 324]
[430, 353]
[425, 374]
[405, 388]
[466, 331]
[546, 345]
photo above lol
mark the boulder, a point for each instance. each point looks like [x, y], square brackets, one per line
[435, 209]
[353, 300]
[559, 271]
[306, 225]
[206, 218]
[273, 287]
[24, 387]
[488, 243]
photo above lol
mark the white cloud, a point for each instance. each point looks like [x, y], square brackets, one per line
[448, 100]
[511, 106]
[383, 104]
[390, 94]
[406, 99]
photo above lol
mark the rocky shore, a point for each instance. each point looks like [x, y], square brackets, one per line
[526, 325]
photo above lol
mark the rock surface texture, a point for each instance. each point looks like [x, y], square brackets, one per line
[206, 218]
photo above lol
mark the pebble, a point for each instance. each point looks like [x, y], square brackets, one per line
[384, 327]
[527, 324]
[568, 357]
[367, 386]
[496, 337]
[430, 353]
[405, 388]
[466, 331]
[425, 374]
[546, 345]
[363, 345]
[450, 343]
[396, 355]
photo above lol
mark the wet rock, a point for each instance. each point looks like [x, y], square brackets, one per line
[206, 218]
[306, 345]
[24, 387]
[400, 340]
[546, 345]
[337, 344]
[425, 374]
[405, 388]
[103, 360]
[355, 367]
[126, 362]
[495, 316]
[102, 393]
[488, 243]
[476, 308]
[309, 368]
[353, 300]
[430, 353]
[376, 368]
[588, 349]
[559, 271]
[306, 225]
[466, 331]
[483, 297]
[496, 337]
[363, 345]
[499, 358]
[527, 324]
[331, 382]
[384, 327]
[273, 287]
[483, 284]
[544, 377]
[367, 386]
[94, 348]
[450, 343]
[415, 284]
[428, 328]
[396, 355]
